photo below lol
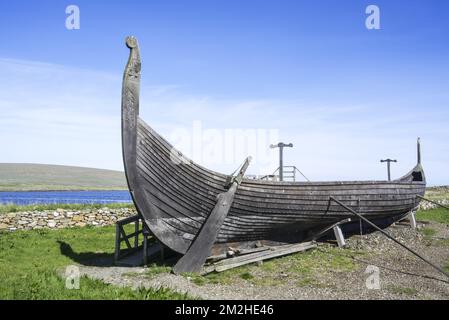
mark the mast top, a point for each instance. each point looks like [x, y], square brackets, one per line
[419, 150]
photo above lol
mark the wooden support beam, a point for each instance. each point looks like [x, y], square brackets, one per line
[412, 219]
[200, 249]
[323, 232]
[339, 236]
[259, 256]
[238, 252]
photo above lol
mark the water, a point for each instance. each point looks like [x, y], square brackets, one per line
[72, 197]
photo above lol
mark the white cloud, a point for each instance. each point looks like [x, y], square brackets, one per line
[62, 115]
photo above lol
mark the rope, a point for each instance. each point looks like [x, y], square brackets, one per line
[302, 174]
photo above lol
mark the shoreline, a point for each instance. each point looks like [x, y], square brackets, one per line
[63, 190]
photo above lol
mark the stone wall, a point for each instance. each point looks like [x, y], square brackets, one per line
[62, 218]
[426, 205]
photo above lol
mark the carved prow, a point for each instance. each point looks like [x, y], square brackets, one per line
[130, 111]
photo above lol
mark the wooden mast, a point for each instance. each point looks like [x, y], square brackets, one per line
[419, 150]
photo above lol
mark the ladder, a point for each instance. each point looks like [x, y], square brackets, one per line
[289, 174]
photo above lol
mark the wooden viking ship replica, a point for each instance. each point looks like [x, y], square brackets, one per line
[195, 211]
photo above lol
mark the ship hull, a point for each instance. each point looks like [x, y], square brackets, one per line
[175, 196]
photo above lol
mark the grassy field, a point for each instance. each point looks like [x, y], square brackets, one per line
[437, 193]
[306, 268]
[23, 177]
[31, 260]
[439, 215]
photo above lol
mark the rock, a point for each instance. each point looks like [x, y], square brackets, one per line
[51, 223]
[3, 226]
[60, 218]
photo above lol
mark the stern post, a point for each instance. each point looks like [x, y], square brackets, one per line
[418, 147]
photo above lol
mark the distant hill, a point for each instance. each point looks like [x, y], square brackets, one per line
[21, 177]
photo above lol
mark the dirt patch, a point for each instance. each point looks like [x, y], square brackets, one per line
[326, 272]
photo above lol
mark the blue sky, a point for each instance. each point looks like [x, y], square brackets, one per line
[345, 96]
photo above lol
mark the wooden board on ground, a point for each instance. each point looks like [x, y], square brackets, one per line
[269, 253]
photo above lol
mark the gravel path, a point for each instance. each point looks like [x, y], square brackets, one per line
[401, 275]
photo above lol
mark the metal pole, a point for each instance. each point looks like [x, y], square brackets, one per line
[117, 242]
[281, 163]
[281, 146]
[388, 168]
[388, 161]
[390, 237]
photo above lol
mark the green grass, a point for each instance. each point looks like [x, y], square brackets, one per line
[305, 268]
[440, 215]
[223, 278]
[21, 177]
[154, 269]
[246, 276]
[7, 208]
[437, 193]
[404, 290]
[308, 267]
[428, 232]
[31, 261]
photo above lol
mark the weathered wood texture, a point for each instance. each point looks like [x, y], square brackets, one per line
[196, 255]
[262, 255]
[176, 196]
